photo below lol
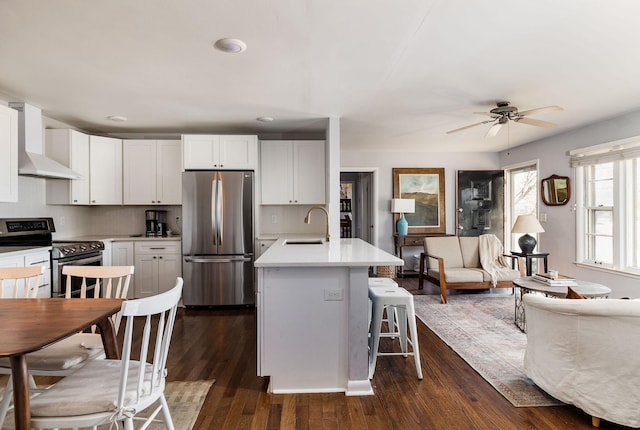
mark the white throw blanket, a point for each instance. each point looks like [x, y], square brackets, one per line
[491, 258]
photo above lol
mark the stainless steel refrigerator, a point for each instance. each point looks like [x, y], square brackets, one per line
[217, 238]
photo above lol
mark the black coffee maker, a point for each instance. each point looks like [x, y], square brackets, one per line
[156, 223]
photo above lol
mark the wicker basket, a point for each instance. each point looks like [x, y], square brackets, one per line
[387, 272]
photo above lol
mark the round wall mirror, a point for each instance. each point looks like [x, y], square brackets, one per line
[556, 190]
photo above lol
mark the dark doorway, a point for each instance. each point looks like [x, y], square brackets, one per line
[356, 205]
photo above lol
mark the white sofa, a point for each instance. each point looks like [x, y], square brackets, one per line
[586, 353]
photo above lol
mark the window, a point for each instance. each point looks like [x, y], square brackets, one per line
[598, 211]
[522, 197]
[607, 198]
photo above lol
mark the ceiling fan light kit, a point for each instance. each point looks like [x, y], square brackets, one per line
[504, 112]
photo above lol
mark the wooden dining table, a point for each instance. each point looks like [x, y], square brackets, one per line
[27, 325]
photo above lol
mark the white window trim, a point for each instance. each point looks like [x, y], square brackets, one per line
[618, 150]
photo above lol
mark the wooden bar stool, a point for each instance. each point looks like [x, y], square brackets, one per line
[402, 301]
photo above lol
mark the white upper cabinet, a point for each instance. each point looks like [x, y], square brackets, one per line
[169, 172]
[152, 172]
[231, 152]
[9, 151]
[69, 148]
[97, 159]
[105, 167]
[293, 172]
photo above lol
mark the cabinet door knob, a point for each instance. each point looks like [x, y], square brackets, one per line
[159, 201]
[93, 201]
[154, 257]
[160, 257]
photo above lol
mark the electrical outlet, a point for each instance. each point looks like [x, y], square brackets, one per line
[274, 219]
[333, 294]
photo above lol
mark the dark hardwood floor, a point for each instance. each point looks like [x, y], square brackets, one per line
[221, 345]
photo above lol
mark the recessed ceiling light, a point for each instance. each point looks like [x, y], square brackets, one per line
[117, 118]
[231, 46]
[264, 118]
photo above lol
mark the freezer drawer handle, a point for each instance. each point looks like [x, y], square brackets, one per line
[215, 260]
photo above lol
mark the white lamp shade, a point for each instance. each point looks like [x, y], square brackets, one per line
[527, 224]
[405, 206]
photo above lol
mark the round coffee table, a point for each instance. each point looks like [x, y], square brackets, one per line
[527, 285]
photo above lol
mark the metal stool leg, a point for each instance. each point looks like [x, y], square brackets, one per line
[413, 329]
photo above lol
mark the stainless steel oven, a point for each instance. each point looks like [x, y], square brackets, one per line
[73, 254]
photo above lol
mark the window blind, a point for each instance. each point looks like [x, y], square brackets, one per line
[606, 152]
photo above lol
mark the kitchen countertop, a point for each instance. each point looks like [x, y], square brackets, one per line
[8, 251]
[341, 252]
[113, 238]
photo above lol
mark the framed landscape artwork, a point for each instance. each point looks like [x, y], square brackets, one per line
[426, 187]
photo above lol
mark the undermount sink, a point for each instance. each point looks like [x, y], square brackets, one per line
[303, 242]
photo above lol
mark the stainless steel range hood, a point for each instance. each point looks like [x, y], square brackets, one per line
[31, 158]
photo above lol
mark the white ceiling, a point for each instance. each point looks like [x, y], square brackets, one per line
[399, 74]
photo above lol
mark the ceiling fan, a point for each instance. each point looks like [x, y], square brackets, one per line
[504, 113]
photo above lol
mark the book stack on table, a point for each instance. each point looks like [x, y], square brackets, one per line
[559, 281]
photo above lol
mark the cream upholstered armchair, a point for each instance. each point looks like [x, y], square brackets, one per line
[586, 353]
[453, 262]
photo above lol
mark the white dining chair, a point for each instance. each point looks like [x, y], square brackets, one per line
[106, 391]
[20, 282]
[68, 355]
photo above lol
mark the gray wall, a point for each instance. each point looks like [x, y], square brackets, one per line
[559, 236]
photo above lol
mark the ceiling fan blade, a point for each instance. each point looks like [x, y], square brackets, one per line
[495, 128]
[468, 126]
[536, 122]
[553, 108]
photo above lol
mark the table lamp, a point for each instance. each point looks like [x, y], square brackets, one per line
[527, 224]
[403, 206]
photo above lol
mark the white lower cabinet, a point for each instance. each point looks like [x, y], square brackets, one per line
[158, 264]
[37, 257]
[122, 255]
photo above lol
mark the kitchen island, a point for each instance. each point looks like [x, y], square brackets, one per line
[312, 302]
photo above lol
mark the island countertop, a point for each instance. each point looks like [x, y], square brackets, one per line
[342, 252]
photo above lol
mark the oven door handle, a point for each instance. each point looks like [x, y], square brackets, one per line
[80, 262]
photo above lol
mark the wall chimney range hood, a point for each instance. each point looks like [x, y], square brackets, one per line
[31, 158]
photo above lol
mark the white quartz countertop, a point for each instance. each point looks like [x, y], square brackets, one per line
[10, 251]
[113, 238]
[340, 252]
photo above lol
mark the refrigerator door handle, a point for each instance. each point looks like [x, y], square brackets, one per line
[216, 260]
[214, 199]
[219, 208]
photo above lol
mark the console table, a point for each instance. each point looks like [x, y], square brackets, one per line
[411, 239]
[529, 258]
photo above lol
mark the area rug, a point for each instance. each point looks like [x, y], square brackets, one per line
[480, 329]
[185, 398]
